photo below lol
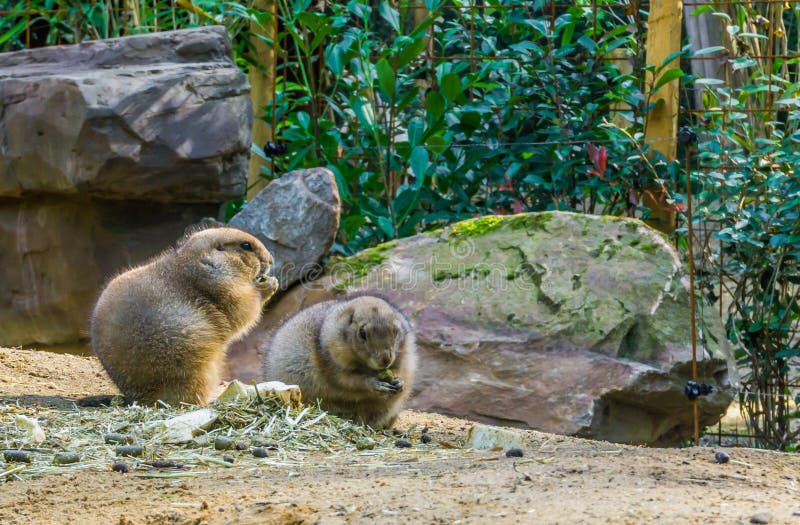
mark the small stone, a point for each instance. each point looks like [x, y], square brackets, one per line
[260, 452]
[223, 443]
[402, 443]
[228, 459]
[66, 458]
[761, 517]
[241, 446]
[424, 430]
[514, 453]
[722, 457]
[17, 456]
[120, 466]
[484, 437]
[426, 438]
[130, 450]
[365, 443]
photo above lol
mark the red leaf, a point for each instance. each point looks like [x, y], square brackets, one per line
[599, 158]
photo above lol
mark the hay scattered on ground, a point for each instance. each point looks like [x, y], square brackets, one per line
[284, 433]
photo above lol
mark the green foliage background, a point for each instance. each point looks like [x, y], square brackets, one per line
[425, 121]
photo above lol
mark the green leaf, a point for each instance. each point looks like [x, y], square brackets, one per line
[434, 103]
[405, 202]
[787, 353]
[416, 126]
[386, 77]
[451, 86]
[566, 36]
[419, 164]
[709, 81]
[471, 119]
[365, 114]
[707, 50]
[437, 144]
[411, 51]
[672, 56]
[14, 31]
[742, 63]
[789, 101]
[390, 15]
[752, 35]
[334, 56]
[385, 224]
[701, 10]
[303, 119]
[668, 76]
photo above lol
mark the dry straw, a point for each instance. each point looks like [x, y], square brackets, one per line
[287, 432]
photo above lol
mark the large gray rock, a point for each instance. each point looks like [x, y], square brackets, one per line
[163, 116]
[566, 323]
[55, 255]
[296, 217]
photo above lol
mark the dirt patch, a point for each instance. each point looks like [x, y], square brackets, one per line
[31, 377]
[559, 480]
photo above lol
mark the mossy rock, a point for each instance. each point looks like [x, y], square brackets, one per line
[562, 322]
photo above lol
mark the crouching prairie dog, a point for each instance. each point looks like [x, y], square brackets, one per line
[357, 356]
[161, 329]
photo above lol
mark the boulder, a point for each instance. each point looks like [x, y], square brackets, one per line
[560, 322]
[296, 217]
[55, 254]
[163, 116]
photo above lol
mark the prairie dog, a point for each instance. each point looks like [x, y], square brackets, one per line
[356, 355]
[161, 329]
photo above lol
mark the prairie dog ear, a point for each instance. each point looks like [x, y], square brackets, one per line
[349, 312]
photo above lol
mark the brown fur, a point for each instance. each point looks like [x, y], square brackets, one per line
[161, 329]
[321, 350]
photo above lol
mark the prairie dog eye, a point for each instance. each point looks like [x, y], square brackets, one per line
[220, 248]
[246, 246]
[362, 334]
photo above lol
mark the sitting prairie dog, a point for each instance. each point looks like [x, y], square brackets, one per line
[356, 355]
[161, 329]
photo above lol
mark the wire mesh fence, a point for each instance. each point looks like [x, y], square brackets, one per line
[429, 112]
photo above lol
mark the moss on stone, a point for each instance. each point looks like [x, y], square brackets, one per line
[649, 248]
[530, 221]
[358, 265]
[481, 226]
[362, 262]
[475, 227]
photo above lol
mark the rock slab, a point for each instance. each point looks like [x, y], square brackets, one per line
[56, 254]
[164, 116]
[560, 322]
[296, 217]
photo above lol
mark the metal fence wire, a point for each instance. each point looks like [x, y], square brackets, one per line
[742, 44]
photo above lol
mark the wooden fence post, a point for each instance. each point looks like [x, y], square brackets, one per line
[663, 38]
[262, 83]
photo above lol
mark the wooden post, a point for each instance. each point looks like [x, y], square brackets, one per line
[262, 85]
[663, 38]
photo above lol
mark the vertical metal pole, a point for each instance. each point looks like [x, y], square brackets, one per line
[692, 298]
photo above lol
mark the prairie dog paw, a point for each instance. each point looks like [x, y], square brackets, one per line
[386, 387]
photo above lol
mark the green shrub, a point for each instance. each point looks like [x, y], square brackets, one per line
[418, 139]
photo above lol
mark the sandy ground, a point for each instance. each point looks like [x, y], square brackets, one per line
[559, 480]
